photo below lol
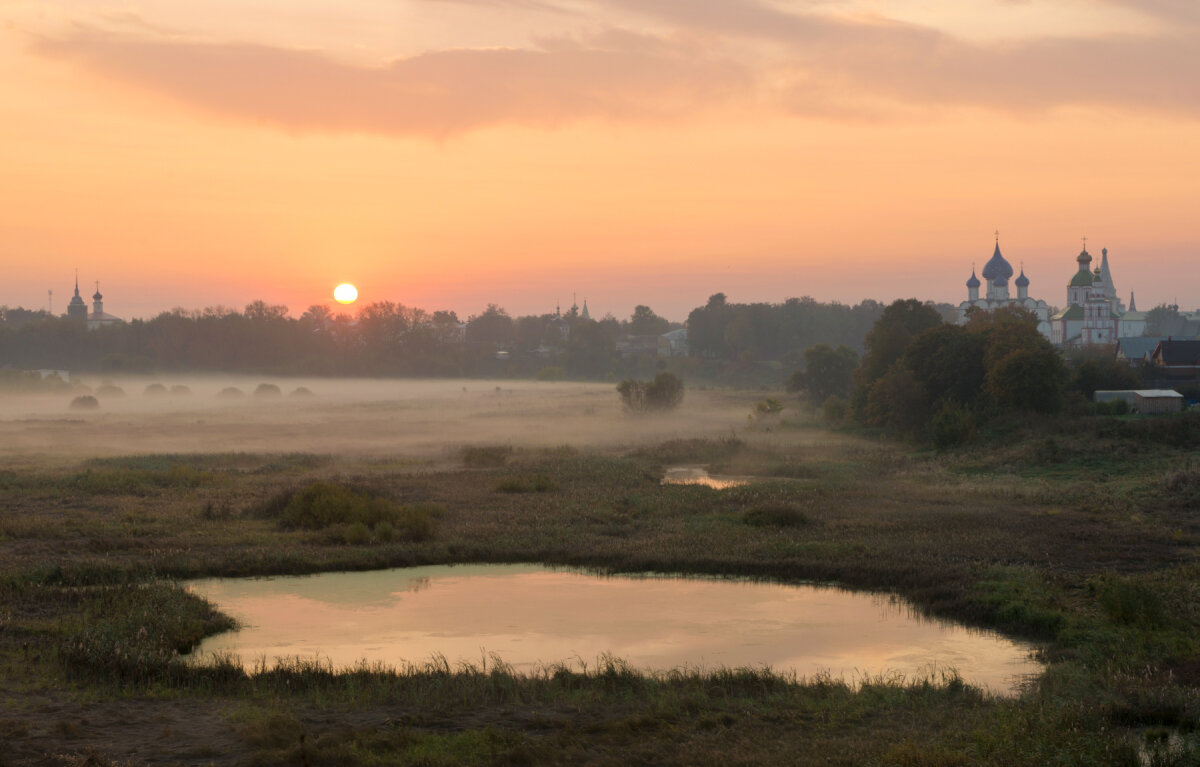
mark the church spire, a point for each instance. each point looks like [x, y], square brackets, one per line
[1132, 303]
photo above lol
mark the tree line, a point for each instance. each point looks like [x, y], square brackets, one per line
[744, 342]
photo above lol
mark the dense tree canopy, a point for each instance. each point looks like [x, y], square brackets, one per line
[946, 377]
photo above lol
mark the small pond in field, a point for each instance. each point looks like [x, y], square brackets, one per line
[696, 475]
[531, 616]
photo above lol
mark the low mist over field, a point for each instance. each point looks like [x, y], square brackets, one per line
[416, 418]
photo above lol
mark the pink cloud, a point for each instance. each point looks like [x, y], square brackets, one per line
[619, 76]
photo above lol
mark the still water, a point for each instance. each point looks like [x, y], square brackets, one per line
[530, 616]
[695, 475]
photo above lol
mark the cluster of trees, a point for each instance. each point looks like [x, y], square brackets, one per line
[756, 332]
[922, 377]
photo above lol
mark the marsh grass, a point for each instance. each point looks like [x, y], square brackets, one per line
[485, 456]
[1081, 534]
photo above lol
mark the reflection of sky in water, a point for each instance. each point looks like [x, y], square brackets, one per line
[693, 475]
[528, 615]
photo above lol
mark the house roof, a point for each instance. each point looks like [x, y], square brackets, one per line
[1173, 352]
[1137, 347]
[1072, 312]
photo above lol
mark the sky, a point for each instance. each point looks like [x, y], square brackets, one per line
[447, 154]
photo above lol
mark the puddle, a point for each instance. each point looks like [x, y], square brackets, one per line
[695, 475]
[531, 616]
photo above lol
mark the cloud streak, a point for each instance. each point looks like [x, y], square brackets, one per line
[803, 62]
[618, 75]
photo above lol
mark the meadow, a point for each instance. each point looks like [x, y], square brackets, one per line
[1079, 532]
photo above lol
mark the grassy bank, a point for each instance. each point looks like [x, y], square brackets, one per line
[1080, 533]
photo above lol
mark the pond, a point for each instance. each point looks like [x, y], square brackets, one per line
[696, 475]
[531, 615]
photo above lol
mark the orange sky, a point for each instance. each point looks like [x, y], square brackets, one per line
[448, 153]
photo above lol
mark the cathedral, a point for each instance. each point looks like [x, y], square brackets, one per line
[996, 274]
[1094, 315]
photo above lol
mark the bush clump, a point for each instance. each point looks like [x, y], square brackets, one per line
[154, 390]
[267, 390]
[110, 390]
[538, 483]
[322, 505]
[952, 426]
[85, 402]
[664, 393]
[485, 456]
[777, 514]
[301, 391]
[179, 390]
[231, 392]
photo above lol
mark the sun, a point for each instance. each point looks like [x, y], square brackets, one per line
[345, 293]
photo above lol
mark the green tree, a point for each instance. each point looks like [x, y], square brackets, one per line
[828, 372]
[665, 392]
[902, 321]
[644, 322]
[1028, 378]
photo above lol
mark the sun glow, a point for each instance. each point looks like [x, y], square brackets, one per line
[345, 293]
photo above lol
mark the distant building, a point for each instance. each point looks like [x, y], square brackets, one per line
[1093, 316]
[633, 346]
[673, 343]
[98, 318]
[996, 273]
[1145, 401]
[1177, 355]
[77, 309]
[1136, 350]
[558, 327]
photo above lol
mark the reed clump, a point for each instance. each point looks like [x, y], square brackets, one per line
[355, 511]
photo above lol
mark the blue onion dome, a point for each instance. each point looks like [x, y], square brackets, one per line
[974, 281]
[997, 269]
[1022, 281]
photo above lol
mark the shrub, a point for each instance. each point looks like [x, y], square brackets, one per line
[231, 392]
[778, 514]
[301, 391]
[109, 390]
[952, 426]
[267, 390]
[765, 408]
[1112, 407]
[1130, 603]
[485, 456]
[154, 390]
[550, 373]
[385, 531]
[357, 534]
[834, 409]
[325, 505]
[179, 390]
[665, 392]
[86, 402]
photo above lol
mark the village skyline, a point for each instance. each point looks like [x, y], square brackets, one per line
[449, 154]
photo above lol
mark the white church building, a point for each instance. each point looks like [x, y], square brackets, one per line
[996, 274]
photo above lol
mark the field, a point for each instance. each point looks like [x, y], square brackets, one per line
[1080, 533]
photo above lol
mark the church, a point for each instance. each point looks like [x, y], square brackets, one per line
[97, 318]
[1094, 315]
[996, 274]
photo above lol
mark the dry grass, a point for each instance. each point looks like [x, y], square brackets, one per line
[1093, 554]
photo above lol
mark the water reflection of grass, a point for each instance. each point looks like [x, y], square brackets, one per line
[1092, 554]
